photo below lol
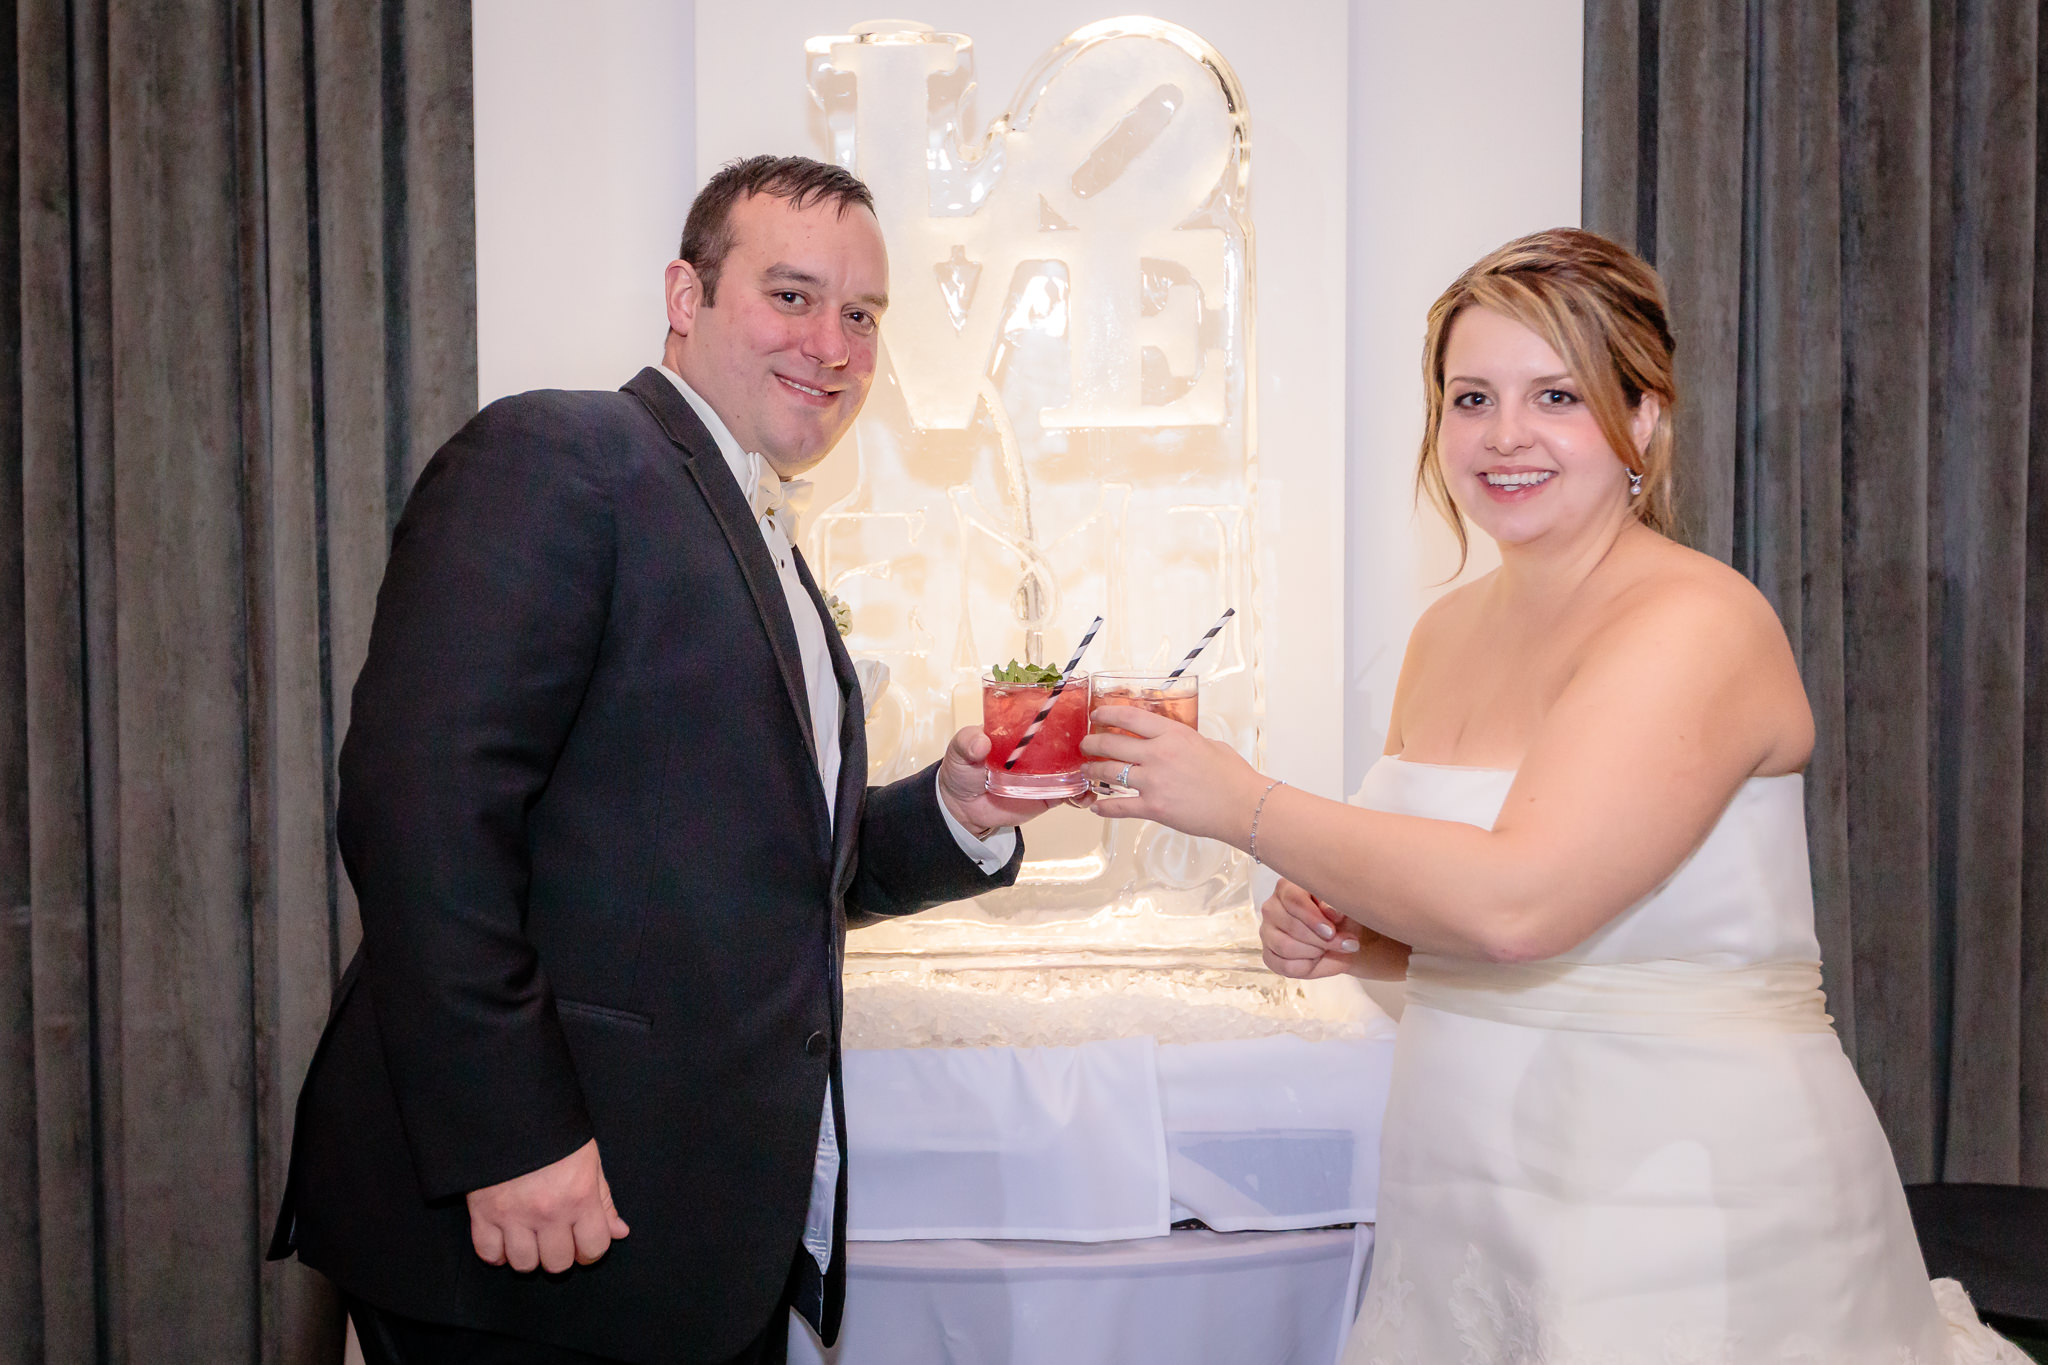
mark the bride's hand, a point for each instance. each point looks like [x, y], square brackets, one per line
[1302, 937]
[1198, 786]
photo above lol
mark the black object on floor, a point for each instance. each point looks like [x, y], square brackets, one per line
[1993, 1239]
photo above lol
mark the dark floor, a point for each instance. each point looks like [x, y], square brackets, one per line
[2037, 1347]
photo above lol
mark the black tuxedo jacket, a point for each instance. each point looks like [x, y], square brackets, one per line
[600, 893]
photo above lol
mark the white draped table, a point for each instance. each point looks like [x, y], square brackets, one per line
[1015, 1205]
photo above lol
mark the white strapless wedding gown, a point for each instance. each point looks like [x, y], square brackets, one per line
[1648, 1151]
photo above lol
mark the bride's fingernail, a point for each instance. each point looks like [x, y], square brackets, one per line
[1349, 945]
[1326, 931]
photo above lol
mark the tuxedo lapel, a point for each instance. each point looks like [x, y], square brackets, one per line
[707, 467]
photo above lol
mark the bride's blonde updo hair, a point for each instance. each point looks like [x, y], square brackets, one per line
[1601, 308]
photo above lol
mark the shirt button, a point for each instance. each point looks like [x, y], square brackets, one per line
[814, 1046]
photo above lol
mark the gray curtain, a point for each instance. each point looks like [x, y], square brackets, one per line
[1844, 197]
[242, 315]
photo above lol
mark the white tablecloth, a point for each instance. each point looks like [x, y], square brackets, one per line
[1057, 1143]
[1114, 1140]
[1192, 1298]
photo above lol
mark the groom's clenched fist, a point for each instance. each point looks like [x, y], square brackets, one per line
[557, 1216]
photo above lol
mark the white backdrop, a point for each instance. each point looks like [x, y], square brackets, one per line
[1394, 141]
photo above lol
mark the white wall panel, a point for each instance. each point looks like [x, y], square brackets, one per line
[1465, 118]
[585, 164]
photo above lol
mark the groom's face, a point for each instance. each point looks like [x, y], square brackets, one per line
[785, 350]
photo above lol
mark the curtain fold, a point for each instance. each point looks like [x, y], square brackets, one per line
[1844, 202]
[244, 316]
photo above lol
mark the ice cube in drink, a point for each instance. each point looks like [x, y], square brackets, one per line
[1049, 765]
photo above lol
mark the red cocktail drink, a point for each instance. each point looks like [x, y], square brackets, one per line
[1174, 698]
[1049, 766]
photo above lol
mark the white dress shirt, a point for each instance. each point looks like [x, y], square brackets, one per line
[821, 687]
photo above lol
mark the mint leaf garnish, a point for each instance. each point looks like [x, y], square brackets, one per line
[1025, 675]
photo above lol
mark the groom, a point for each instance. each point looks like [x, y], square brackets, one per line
[604, 805]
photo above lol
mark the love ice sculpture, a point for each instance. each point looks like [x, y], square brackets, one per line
[1063, 426]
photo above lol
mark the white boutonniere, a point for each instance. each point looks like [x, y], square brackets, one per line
[842, 615]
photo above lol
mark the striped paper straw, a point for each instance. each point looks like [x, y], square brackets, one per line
[1202, 643]
[1066, 676]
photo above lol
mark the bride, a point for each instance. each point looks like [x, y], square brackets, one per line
[1621, 1127]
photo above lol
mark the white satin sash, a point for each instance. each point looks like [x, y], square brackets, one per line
[1685, 999]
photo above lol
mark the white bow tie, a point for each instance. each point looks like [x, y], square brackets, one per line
[782, 501]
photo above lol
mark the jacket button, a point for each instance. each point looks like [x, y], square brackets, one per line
[814, 1046]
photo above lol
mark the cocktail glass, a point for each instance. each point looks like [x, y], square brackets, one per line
[1175, 698]
[1050, 764]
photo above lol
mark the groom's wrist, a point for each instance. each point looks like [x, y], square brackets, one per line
[989, 845]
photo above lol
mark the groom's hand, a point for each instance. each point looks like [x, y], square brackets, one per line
[963, 786]
[557, 1216]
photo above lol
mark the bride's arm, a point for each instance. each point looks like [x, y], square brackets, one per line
[1671, 709]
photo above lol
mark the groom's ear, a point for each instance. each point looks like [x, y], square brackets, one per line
[684, 289]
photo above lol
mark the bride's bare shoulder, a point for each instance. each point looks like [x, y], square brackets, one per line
[1686, 616]
[1671, 583]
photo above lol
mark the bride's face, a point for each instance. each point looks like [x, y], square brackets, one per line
[1521, 451]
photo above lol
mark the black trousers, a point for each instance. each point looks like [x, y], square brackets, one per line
[388, 1339]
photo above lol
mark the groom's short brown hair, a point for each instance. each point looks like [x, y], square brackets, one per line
[707, 232]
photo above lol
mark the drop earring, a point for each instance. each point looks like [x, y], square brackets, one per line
[1635, 483]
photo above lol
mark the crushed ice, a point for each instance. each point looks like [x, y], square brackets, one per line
[919, 1006]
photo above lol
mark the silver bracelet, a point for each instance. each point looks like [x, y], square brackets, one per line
[1257, 811]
